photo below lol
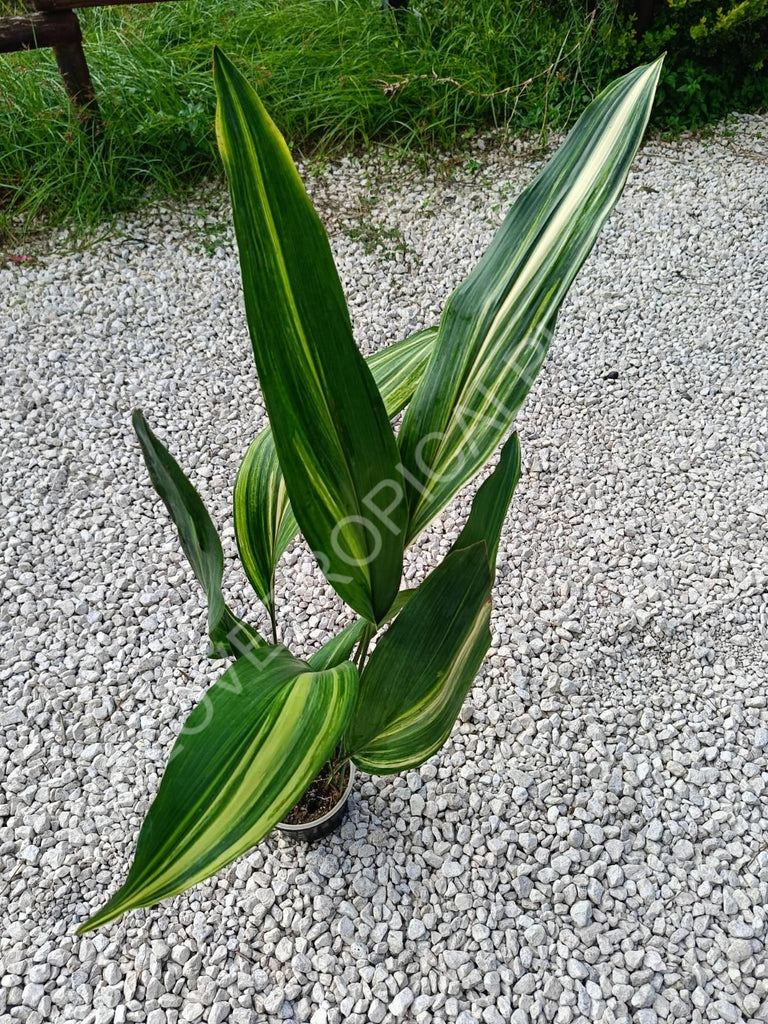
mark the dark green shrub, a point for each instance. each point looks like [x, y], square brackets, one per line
[717, 58]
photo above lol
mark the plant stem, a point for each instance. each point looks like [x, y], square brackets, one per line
[368, 634]
[273, 620]
[336, 769]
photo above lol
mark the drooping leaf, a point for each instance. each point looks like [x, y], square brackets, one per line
[229, 635]
[332, 434]
[264, 522]
[497, 325]
[244, 758]
[423, 667]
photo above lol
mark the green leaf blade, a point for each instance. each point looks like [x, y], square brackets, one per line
[244, 758]
[413, 687]
[419, 674]
[331, 431]
[490, 504]
[200, 542]
[398, 368]
[497, 325]
[264, 522]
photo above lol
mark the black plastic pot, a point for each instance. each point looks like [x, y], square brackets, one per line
[311, 831]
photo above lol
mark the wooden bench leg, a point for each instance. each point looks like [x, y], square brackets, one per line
[73, 67]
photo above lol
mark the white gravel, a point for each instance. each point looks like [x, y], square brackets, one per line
[591, 843]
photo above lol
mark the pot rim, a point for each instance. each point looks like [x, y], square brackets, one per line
[328, 814]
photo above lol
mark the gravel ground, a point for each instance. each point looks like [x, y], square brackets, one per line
[590, 845]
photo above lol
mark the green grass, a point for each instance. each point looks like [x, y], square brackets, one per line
[334, 74]
[322, 68]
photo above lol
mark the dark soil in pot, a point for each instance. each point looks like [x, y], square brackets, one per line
[323, 806]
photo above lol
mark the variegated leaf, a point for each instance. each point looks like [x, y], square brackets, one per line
[397, 369]
[339, 648]
[331, 431]
[422, 668]
[490, 504]
[264, 522]
[229, 635]
[244, 758]
[497, 325]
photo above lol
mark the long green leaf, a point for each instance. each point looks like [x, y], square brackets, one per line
[244, 758]
[332, 434]
[422, 668]
[497, 325]
[490, 504]
[339, 648]
[264, 522]
[229, 635]
[415, 683]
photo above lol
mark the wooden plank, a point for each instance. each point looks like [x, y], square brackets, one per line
[33, 31]
[68, 5]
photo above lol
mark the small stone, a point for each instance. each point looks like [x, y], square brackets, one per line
[219, 1013]
[655, 831]
[451, 869]
[576, 969]
[528, 841]
[581, 913]
[417, 804]
[535, 935]
[274, 1000]
[725, 1009]
[645, 1016]
[39, 973]
[112, 974]
[525, 985]
[739, 950]
[492, 1016]
[363, 885]
[401, 1002]
[654, 962]
[553, 989]
[644, 996]
[455, 958]
[284, 950]
[32, 994]
[683, 851]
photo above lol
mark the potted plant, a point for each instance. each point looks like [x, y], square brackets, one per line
[331, 466]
